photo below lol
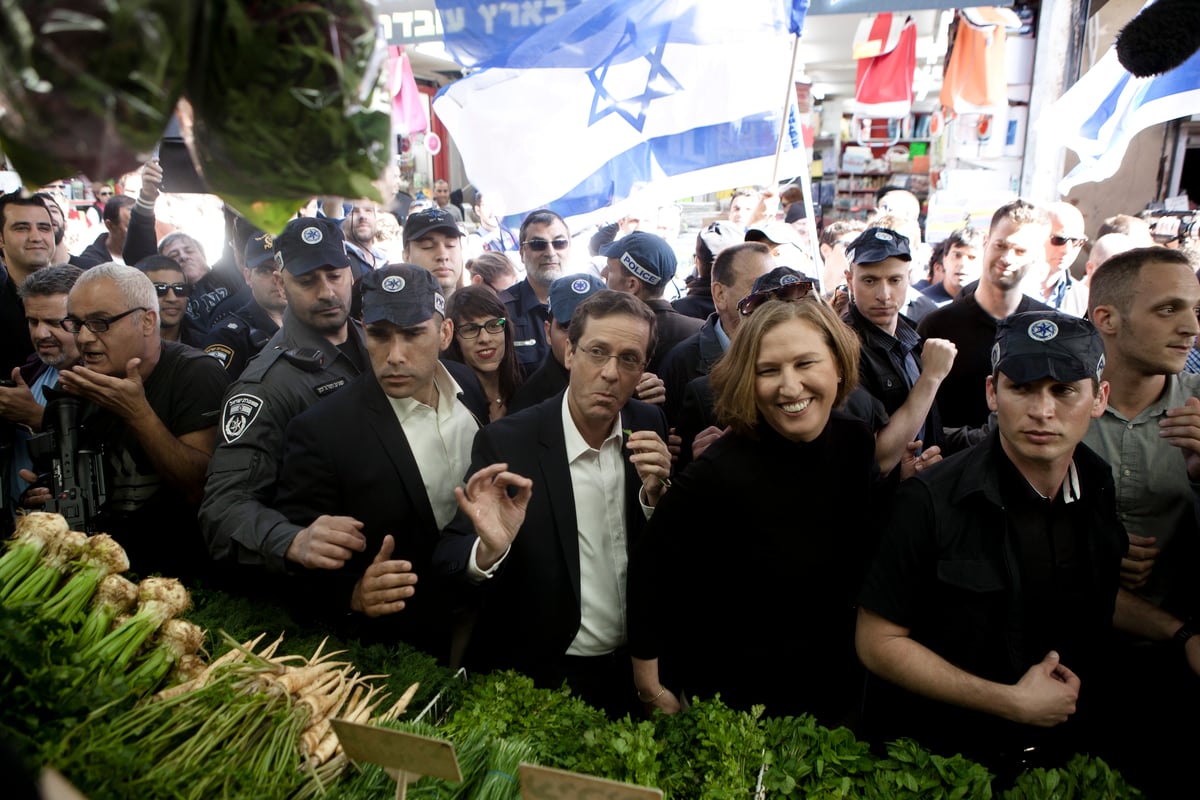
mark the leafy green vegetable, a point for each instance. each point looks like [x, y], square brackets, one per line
[88, 86]
[1082, 778]
[281, 105]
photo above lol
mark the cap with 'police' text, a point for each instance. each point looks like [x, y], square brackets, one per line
[647, 256]
[402, 294]
[1047, 344]
[309, 243]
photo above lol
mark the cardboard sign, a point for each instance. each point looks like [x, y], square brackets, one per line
[543, 783]
[408, 753]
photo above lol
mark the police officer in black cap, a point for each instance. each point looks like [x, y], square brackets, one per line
[988, 613]
[241, 335]
[316, 351]
[385, 455]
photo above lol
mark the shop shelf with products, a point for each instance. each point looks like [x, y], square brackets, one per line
[880, 155]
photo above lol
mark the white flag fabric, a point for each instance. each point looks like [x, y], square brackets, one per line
[1107, 107]
[622, 97]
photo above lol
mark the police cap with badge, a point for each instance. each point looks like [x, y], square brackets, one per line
[1047, 344]
[310, 243]
[402, 294]
[878, 244]
[568, 291]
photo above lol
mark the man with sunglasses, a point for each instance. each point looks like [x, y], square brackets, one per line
[1059, 289]
[156, 406]
[545, 248]
[172, 290]
[316, 351]
[239, 337]
[895, 366]
[433, 241]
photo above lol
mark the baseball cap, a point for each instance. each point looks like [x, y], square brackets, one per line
[646, 255]
[783, 283]
[402, 294]
[775, 233]
[878, 244]
[718, 235]
[309, 243]
[569, 291]
[259, 250]
[1047, 344]
[426, 221]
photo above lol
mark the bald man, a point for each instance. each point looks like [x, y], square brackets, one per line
[1104, 248]
[1067, 238]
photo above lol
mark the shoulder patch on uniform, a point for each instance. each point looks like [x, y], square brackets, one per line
[239, 414]
[327, 388]
[220, 352]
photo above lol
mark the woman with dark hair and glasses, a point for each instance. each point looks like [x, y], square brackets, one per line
[483, 340]
[746, 580]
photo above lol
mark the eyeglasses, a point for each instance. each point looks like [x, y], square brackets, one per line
[1059, 241]
[104, 194]
[788, 293]
[470, 330]
[626, 362]
[96, 325]
[180, 289]
[538, 245]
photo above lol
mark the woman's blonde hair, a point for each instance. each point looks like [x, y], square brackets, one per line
[733, 377]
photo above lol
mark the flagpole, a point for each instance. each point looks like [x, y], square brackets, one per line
[805, 173]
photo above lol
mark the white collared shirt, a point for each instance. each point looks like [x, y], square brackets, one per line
[441, 442]
[598, 485]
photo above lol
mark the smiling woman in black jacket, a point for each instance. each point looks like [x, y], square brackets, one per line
[745, 585]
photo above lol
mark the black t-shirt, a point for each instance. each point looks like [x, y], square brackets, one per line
[150, 518]
[962, 397]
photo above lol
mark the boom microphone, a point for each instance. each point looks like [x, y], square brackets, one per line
[1160, 38]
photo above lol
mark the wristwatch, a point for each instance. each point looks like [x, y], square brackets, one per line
[1182, 635]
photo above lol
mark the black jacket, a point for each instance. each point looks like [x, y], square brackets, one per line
[673, 328]
[948, 570]
[880, 367]
[688, 360]
[530, 610]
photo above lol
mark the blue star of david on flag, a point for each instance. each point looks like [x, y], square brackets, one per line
[659, 82]
[1043, 331]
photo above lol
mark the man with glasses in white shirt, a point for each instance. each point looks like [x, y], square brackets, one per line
[557, 497]
[545, 248]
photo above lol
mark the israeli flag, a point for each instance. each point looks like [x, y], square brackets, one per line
[613, 98]
[1107, 107]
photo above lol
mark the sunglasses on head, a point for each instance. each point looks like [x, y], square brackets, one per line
[1059, 241]
[538, 245]
[180, 289]
[787, 293]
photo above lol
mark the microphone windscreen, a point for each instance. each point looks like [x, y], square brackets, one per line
[1160, 38]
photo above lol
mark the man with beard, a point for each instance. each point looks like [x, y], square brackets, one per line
[240, 337]
[27, 241]
[360, 228]
[545, 247]
[1016, 241]
[172, 290]
[316, 351]
[44, 294]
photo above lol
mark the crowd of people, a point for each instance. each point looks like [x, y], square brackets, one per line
[944, 491]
